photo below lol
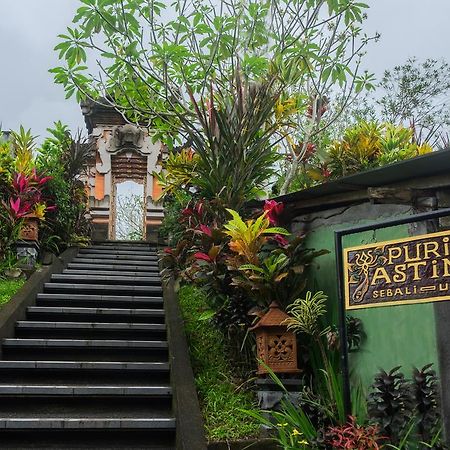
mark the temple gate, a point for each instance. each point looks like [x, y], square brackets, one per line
[123, 153]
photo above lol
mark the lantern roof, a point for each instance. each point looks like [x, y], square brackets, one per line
[273, 318]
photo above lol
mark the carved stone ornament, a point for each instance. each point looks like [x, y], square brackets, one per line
[129, 136]
[276, 346]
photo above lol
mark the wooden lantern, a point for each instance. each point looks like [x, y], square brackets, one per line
[30, 229]
[276, 346]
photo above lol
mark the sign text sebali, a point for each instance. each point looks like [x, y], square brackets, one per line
[402, 271]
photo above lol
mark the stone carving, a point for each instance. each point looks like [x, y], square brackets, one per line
[128, 136]
[280, 348]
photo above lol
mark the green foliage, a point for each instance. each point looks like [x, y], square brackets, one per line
[21, 191]
[169, 65]
[23, 144]
[355, 333]
[390, 404]
[306, 312]
[8, 288]
[426, 396]
[235, 140]
[220, 396]
[178, 174]
[358, 150]
[407, 411]
[415, 95]
[171, 228]
[364, 145]
[247, 237]
[65, 160]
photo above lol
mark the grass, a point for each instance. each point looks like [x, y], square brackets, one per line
[220, 399]
[8, 288]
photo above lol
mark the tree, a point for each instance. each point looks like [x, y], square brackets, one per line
[416, 95]
[172, 68]
[130, 217]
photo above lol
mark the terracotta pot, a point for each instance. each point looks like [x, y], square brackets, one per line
[30, 229]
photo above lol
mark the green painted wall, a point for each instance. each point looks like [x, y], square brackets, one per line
[397, 335]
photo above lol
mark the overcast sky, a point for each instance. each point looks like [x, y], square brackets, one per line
[29, 29]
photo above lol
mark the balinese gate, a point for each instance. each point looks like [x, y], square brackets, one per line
[123, 153]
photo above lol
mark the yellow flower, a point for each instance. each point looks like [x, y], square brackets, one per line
[295, 432]
[282, 424]
[39, 210]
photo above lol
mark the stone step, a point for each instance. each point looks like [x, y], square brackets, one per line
[107, 367]
[83, 343]
[52, 390]
[99, 301]
[87, 424]
[115, 252]
[36, 403]
[85, 349]
[92, 268]
[90, 330]
[105, 279]
[84, 372]
[74, 288]
[121, 248]
[116, 262]
[135, 257]
[71, 314]
[78, 438]
[122, 245]
[119, 273]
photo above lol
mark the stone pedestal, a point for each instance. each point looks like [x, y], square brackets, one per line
[27, 253]
[270, 394]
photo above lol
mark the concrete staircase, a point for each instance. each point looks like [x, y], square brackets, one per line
[88, 367]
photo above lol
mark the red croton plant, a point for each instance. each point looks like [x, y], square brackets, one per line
[229, 256]
[25, 196]
[352, 436]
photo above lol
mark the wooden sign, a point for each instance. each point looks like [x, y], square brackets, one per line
[403, 271]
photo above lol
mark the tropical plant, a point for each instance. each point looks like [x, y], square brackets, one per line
[262, 280]
[352, 436]
[234, 141]
[426, 396]
[355, 333]
[65, 159]
[172, 228]
[263, 262]
[371, 144]
[178, 173]
[357, 150]
[23, 143]
[6, 165]
[305, 318]
[248, 237]
[306, 312]
[152, 68]
[391, 404]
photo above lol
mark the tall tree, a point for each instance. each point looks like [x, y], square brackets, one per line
[170, 67]
[417, 95]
